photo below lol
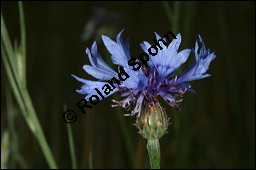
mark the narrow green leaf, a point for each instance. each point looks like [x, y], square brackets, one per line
[71, 144]
[90, 160]
[23, 40]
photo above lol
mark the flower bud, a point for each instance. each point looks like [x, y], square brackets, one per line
[153, 121]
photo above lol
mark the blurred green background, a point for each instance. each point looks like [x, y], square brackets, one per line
[214, 129]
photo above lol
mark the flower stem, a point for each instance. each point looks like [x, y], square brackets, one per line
[154, 153]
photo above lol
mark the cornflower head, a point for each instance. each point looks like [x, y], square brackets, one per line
[143, 87]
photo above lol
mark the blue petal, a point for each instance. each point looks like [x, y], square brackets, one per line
[120, 51]
[98, 73]
[145, 46]
[98, 59]
[89, 88]
[198, 69]
[167, 59]
[178, 60]
[136, 81]
[99, 68]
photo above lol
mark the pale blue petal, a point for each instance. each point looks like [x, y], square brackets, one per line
[99, 62]
[89, 88]
[91, 59]
[167, 60]
[198, 69]
[120, 52]
[99, 68]
[98, 73]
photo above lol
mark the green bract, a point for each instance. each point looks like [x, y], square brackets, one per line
[153, 121]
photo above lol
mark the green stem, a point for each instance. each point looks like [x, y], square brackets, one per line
[90, 160]
[23, 40]
[22, 95]
[14, 137]
[71, 146]
[153, 147]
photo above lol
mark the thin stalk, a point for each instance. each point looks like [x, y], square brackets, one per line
[71, 146]
[8, 47]
[21, 94]
[23, 40]
[153, 148]
[14, 137]
[39, 132]
[12, 81]
[28, 113]
[90, 160]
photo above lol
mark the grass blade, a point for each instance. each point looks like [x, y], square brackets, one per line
[21, 93]
[90, 160]
[23, 40]
[71, 144]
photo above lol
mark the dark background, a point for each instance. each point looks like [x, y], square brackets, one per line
[215, 127]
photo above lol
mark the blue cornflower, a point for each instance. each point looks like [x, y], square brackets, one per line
[162, 80]
[120, 52]
[149, 82]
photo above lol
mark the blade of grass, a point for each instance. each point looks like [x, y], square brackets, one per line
[38, 132]
[71, 147]
[90, 160]
[16, 157]
[12, 80]
[8, 46]
[71, 144]
[22, 95]
[5, 37]
[31, 118]
[23, 40]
